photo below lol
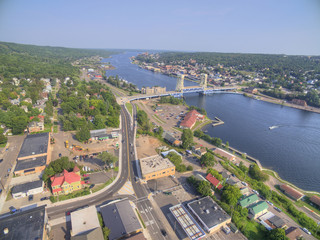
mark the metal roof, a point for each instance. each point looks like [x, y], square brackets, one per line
[25, 187]
[34, 144]
[245, 201]
[30, 163]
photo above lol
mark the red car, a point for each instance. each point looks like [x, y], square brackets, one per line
[85, 175]
[87, 182]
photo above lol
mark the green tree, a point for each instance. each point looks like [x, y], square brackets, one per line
[277, 234]
[106, 232]
[3, 138]
[231, 194]
[83, 134]
[256, 174]
[215, 173]
[189, 168]
[186, 138]
[207, 159]
[19, 124]
[204, 188]
[99, 122]
[108, 158]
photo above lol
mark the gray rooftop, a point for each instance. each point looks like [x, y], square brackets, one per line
[34, 144]
[98, 132]
[24, 225]
[25, 187]
[120, 218]
[208, 212]
[30, 163]
[276, 221]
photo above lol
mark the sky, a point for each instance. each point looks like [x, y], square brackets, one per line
[241, 26]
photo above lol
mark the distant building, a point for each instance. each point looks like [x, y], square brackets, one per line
[35, 126]
[210, 214]
[121, 219]
[291, 192]
[299, 102]
[171, 139]
[66, 182]
[315, 199]
[258, 209]
[199, 149]
[190, 119]
[26, 189]
[251, 90]
[156, 167]
[99, 134]
[85, 224]
[30, 166]
[25, 225]
[153, 90]
[246, 201]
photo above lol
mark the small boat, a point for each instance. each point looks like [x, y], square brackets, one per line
[273, 127]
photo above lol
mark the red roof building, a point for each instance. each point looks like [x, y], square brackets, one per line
[66, 182]
[290, 192]
[315, 199]
[41, 117]
[215, 182]
[190, 119]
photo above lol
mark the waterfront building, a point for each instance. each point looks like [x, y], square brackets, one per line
[315, 199]
[156, 167]
[224, 153]
[291, 192]
[258, 209]
[191, 118]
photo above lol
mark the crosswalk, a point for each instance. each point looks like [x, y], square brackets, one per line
[126, 189]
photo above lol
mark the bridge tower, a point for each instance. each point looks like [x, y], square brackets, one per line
[203, 80]
[180, 83]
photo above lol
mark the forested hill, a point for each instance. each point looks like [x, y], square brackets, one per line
[30, 61]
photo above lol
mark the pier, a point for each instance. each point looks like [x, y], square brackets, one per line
[217, 121]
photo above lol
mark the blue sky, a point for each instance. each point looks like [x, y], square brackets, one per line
[247, 26]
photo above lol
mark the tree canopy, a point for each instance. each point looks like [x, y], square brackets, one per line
[187, 138]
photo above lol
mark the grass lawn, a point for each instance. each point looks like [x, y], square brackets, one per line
[129, 107]
[253, 230]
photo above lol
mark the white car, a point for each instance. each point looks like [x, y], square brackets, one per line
[244, 183]
[306, 231]
[270, 203]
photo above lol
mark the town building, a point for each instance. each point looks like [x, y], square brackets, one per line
[35, 126]
[258, 209]
[30, 166]
[156, 167]
[291, 192]
[199, 149]
[209, 213]
[191, 118]
[25, 225]
[187, 222]
[85, 224]
[299, 102]
[315, 199]
[99, 135]
[171, 139]
[215, 182]
[121, 219]
[26, 189]
[244, 191]
[293, 233]
[66, 182]
[224, 153]
[271, 221]
[246, 201]
[153, 90]
[251, 90]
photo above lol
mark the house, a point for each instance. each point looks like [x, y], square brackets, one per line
[223, 153]
[26, 189]
[15, 101]
[190, 119]
[156, 167]
[315, 199]
[258, 209]
[25, 225]
[210, 214]
[244, 191]
[215, 182]
[299, 102]
[291, 192]
[293, 233]
[199, 149]
[170, 138]
[35, 126]
[246, 201]
[66, 182]
[85, 224]
[27, 100]
[251, 90]
[121, 219]
[276, 222]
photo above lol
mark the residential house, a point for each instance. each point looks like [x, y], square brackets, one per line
[171, 139]
[246, 201]
[35, 126]
[215, 182]
[251, 90]
[26, 189]
[244, 191]
[315, 199]
[25, 108]
[291, 192]
[258, 209]
[293, 233]
[27, 100]
[15, 101]
[224, 153]
[66, 182]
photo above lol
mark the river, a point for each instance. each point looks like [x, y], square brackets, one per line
[292, 149]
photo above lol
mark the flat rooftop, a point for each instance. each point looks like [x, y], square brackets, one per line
[34, 144]
[24, 225]
[120, 218]
[30, 163]
[208, 212]
[189, 225]
[154, 163]
[25, 187]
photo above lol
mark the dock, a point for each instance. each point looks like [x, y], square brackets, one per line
[217, 121]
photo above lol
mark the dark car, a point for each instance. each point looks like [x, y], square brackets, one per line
[163, 232]
[1, 160]
[91, 186]
[30, 198]
[12, 209]
[60, 155]
[0, 190]
[44, 198]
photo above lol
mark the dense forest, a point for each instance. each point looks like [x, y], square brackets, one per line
[35, 62]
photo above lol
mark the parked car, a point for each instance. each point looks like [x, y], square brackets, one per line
[244, 183]
[163, 232]
[60, 155]
[91, 186]
[278, 209]
[12, 209]
[9, 170]
[0, 190]
[30, 198]
[44, 198]
[87, 182]
[270, 203]
[1, 160]
[226, 229]
[306, 231]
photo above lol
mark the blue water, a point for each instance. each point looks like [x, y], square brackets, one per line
[292, 149]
